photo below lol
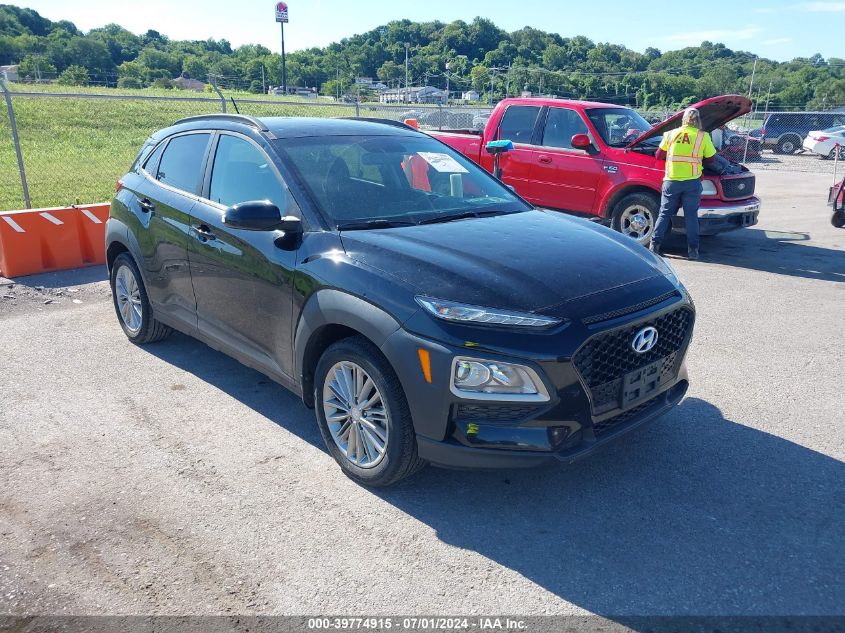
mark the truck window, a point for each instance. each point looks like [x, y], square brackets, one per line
[561, 125]
[518, 122]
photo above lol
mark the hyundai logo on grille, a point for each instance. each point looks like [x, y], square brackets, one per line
[645, 340]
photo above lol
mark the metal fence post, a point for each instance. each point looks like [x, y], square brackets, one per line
[358, 107]
[13, 124]
[213, 80]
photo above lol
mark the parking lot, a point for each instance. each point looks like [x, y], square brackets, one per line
[171, 480]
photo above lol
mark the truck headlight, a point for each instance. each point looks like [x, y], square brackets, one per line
[468, 314]
[708, 187]
[494, 380]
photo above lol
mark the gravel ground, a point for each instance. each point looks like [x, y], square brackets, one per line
[172, 480]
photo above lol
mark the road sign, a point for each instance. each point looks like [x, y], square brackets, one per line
[282, 12]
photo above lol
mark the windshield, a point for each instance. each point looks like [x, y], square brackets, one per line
[379, 181]
[618, 126]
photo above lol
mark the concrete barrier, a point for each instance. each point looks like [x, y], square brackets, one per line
[45, 240]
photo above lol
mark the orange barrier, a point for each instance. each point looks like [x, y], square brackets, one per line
[45, 240]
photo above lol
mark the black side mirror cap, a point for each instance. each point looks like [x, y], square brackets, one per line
[291, 225]
[256, 215]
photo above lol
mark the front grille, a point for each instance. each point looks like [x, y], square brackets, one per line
[606, 358]
[494, 413]
[601, 428]
[737, 188]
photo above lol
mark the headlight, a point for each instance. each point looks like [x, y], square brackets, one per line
[493, 380]
[708, 187]
[462, 313]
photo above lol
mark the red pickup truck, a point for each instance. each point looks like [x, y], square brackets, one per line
[598, 159]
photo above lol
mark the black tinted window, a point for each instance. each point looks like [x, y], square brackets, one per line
[151, 165]
[561, 125]
[182, 161]
[243, 173]
[518, 123]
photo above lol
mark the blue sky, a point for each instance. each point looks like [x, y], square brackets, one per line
[778, 29]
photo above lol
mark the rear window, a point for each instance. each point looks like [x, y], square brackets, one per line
[518, 123]
[181, 162]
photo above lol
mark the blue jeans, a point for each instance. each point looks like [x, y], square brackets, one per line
[677, 194]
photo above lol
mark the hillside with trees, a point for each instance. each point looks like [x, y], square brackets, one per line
[481, 56]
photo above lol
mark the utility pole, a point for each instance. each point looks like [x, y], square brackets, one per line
[407, 86]
[448, 80]
[263, 83]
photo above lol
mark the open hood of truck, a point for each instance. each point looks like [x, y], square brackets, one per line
[715, 112]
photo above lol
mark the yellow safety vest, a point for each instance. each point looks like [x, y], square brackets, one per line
[685, 150]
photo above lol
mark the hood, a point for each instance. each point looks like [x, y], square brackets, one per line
[522, 261]
[715, 112]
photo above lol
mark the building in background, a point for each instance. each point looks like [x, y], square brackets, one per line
[10, 73]
[424, 94]
[470, 95]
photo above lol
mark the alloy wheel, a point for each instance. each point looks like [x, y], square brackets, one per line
[129, 299]
[637, 222]
[355, 414]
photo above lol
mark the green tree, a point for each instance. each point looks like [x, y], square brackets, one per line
[36, 67]
[74, 76]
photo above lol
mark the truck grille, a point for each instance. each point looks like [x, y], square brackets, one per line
[739, 188]
[604, 360]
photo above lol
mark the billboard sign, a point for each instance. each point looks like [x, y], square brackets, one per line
[282, 12]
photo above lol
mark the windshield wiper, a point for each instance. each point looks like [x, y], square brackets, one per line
[373, 224]
[450, 217]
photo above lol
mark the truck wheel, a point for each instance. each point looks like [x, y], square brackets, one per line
[363, 414]
[838, 219]
[132, 305]
[635, 216]
[788, 145]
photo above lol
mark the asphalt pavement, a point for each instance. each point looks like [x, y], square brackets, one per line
[169, 479]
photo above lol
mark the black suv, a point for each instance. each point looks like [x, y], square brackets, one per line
[426, 311]
[784, 132]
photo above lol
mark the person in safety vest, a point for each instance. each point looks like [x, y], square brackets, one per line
[686, 150]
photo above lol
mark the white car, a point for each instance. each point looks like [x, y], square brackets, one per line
[827, 143]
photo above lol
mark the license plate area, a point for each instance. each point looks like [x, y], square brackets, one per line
[646, 383]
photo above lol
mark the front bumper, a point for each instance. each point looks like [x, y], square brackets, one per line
[590, 403]
[713, 219]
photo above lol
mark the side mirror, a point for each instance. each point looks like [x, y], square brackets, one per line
[581, 141]
[499, 147]
[256, 215]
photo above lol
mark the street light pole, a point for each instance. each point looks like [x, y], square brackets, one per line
[448, 80]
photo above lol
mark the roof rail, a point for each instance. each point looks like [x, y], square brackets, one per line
[391, 122]
[234, 118]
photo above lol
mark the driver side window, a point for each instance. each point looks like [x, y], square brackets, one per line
[243, 173]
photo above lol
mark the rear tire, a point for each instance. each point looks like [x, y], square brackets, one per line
[834, 152]
[838, 219]
[132, 304]
[635, 215]
[788, 145]
[363, 414]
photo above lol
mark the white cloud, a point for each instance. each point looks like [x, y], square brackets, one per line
[691, 38]
[777, 40]
[823, 7]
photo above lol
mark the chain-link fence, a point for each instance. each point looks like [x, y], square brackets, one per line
[76, 145]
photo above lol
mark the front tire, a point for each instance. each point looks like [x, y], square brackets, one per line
[363, 414]
[132, 304]
[837, 150]
[838, 219]
[635, 215]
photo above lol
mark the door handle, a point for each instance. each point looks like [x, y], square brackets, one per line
[204, 234]
[146, 205]
[546, 160]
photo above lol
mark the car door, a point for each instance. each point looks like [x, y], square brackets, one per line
[519, 125]
[162, 201]
[242, 279]
[565, 177]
